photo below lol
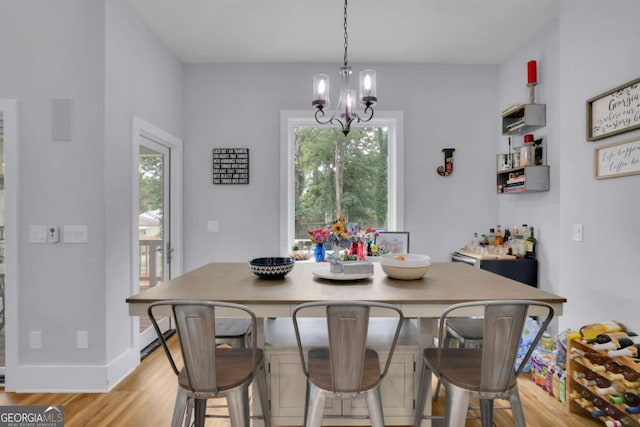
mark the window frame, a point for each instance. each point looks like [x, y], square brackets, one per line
[289, 120]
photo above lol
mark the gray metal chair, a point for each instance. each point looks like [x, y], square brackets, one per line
[211, 372]
[488, 372]
[233, 331]
[345, 368]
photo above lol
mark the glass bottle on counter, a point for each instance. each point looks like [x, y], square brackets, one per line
[530, 246]
[475, 243]
[491, 237]
[518, 242]
[499, 241]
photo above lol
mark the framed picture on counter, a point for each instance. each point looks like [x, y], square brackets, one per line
[393, 242]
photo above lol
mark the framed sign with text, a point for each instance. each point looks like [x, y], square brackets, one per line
[614, 112]
[617, 159]
[230, 165]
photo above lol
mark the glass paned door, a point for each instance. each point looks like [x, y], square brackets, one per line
[154, 256]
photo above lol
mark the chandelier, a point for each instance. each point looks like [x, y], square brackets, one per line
[345, 112]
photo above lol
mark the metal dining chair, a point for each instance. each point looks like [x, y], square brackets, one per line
[346, 368]
[210, 372]
[488, 372]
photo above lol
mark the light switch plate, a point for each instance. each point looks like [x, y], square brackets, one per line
[577, 232]
[38, 233]
[75, 234]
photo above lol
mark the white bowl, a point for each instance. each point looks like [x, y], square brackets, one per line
[405, 266]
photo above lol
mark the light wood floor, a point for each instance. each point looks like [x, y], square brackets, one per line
[145, 398]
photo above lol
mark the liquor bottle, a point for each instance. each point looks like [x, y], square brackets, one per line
[605, 386]
[597, 360]
[473, 246]
[506, 235]
[630, 374]
[605, 338]
[616, 344]
[614, 370]
[499, 240]
[510, 246]
[631, 399]
[530, 246]
[589, 332]
[630, 351]
[492, 237]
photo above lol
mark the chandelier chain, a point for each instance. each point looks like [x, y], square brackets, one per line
[346, 36]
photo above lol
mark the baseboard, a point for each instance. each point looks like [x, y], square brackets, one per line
[73, 378]
[155, 344]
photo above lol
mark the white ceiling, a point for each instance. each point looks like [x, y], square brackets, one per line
[380, 31]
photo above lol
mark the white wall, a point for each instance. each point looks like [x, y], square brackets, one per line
[239, 106]
[142, 79]
[57, 50]
[598, 45]
[540, 210]
[590, 50]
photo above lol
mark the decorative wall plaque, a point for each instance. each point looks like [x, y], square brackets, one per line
[230, 165]
[617, 159]
[614, 112]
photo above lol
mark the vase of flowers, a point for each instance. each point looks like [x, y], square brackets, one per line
[318, 236]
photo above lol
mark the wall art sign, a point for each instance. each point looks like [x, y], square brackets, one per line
[614, 112]
[230, 165]
[617, 159]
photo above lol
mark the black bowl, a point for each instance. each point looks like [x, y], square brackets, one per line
[271, 267]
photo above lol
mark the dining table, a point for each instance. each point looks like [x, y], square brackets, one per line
[424, 299]
[444, 283]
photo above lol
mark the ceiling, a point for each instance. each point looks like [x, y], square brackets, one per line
[311, 31]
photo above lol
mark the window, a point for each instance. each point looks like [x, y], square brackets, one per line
[324, 173]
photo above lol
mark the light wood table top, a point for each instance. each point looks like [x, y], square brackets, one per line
[444, 284]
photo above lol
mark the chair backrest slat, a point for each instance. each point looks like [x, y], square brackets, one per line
[502, 331]
[196, 330]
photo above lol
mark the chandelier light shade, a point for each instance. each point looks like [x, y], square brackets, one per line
[320, 91]
[345, 112]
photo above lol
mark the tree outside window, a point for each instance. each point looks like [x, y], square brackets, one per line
[337, 175]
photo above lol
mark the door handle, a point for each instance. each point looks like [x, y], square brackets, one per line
[169, 252]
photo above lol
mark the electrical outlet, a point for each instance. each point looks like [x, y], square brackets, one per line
[82, 339]
[35, 340]
[53, 236]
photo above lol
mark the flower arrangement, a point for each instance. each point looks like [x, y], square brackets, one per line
[362, 241]
[319, 235]
[339, 231]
